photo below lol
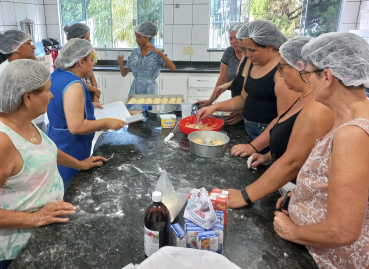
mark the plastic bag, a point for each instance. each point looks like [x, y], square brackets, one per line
[184, 258]
[173, 200]
[200, 210]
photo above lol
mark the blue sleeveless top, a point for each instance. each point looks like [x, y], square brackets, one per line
[78, 146]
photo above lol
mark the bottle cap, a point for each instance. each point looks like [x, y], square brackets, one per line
[156, 196]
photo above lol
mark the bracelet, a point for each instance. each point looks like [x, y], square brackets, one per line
[246, 197]
[254, 148]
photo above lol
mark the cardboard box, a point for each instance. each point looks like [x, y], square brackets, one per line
[218, 228]
[220, 202]
[179, 236]
[192, 232]
[208, 241]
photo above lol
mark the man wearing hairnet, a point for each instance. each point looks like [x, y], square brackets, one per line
[146, 61]
[16, 44]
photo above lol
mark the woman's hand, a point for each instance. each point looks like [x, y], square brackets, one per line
[234, 118]
[115, 124]
[280, 200]
[204, 112]
[97, 105]
[235, 199]
[257, 159]
[204, 103]
[91, 162]
[242, 150]
[219, 90]
[49, 212]
[283, 225]
[153, 48]
[120, 59]
[96, 91]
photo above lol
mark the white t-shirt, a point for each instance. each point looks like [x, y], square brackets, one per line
[2, 65]
[40, 118]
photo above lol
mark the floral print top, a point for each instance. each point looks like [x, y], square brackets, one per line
[37, 184]
[145, 70]
[309, 203]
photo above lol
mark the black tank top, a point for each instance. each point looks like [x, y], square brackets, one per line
[261, 102]
[280, 135]
[237, 83]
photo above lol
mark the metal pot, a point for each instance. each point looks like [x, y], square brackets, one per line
[208, 151]
[157, 110]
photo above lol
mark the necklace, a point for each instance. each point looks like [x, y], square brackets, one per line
[33, 138]
[303, 96]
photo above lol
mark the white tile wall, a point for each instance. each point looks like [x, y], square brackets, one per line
[168, 14]
[182, 34]
[183, 14]
[1, 17]
[199, 12]
[351, 12]
[168, 34]
[51, 13]
[43, 12]
[9, 13]
[200, 53]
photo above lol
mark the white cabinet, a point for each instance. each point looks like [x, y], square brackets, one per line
[173, 83]
[201, 87]
[114, 87]
[99, 79]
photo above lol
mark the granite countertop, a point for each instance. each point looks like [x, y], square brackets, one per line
[181, 67]
[107, 229]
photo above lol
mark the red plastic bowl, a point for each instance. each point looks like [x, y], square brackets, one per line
[217, 124]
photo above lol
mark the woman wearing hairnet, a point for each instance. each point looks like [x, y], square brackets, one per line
[71, 112]
[292, 137]
[328, 210]
[234, 80]
[31, 189]
[145, 62]
[16, 44]
[81, 30]
[265, 95]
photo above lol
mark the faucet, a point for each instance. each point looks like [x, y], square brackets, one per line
[106, 53]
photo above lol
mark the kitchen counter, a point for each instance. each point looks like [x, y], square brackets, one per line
[106, 230]
[181, 67]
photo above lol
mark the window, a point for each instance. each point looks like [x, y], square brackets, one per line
[319, 16]
[292, 17]
[112, 22]
[224, 13]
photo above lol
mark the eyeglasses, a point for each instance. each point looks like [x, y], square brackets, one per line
[305, 75]
[280, 68]
[242, 49]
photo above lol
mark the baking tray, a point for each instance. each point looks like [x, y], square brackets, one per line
[178, 106]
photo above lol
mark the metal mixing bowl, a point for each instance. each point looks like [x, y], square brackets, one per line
[208, 151]
[157, 110]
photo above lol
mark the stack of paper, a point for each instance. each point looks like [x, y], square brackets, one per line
[117, 110]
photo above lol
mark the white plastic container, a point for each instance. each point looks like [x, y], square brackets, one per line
[168, 120]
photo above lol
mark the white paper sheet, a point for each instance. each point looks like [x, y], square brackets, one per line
[112, 110]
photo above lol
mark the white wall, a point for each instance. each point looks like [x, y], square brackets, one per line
[349, 15]
[43, 12]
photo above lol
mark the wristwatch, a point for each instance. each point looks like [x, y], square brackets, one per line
[246, 197]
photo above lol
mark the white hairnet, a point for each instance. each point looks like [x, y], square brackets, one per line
[11, 40]
[291, 51]
[263, 32]
[235, 27]
[77, 30]
[74, 50]
[345, 54]
[147, 28]
[18, 78]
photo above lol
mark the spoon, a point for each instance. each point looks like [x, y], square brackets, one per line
[197, 126]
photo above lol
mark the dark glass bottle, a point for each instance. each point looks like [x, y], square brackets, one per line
[157, 225]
